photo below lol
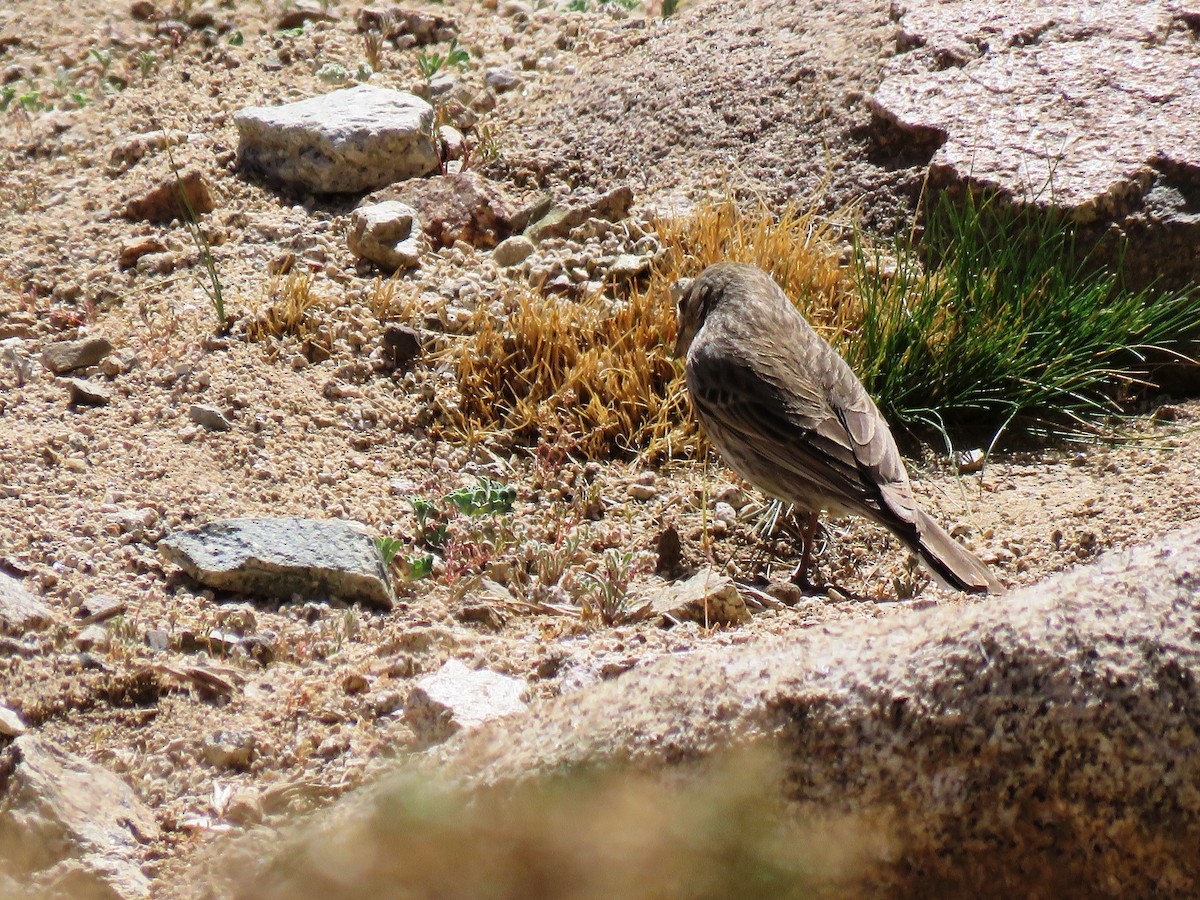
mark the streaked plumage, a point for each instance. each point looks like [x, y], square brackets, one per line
[787, 413]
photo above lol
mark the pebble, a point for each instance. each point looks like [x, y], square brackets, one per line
[209, 417]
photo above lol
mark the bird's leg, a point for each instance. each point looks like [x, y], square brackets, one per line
[807, 535]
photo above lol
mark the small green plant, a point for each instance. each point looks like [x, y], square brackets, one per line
[579, 6]
[608, 599]
[290, 32]
[31, 101]
[669, 8]
[487, 497]
[416, 566]
[8, 93]
[235, 39]
[147, 62]
[432, 62]
[388, 547]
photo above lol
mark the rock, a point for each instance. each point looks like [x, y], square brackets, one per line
[513, 250]
[92, 637]
[669, 549]
[209, 417]
[1067, 709]
[10, 724]
[71, 822]
[456, 698]
[131, 149]
[401, 345]
[349, 140]
[66, 356]
[501, 80]
[162, 201]
[452, 142]
[1081, 107]
[230, 749]
[706, 597]
[281, 557]
[99, 607]
[135, 250]
[627, 267]
[301, 11]
[384, 234]
[13, 352]
[462, 207]
[143, 10]
[397, 22]
[20, 611]
[611, 206]
[81, 392]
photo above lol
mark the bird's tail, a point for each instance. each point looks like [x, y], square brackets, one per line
[952, 564]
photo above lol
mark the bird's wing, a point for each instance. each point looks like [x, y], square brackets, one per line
[782, 419]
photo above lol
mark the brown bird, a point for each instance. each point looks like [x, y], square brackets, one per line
[789, 416]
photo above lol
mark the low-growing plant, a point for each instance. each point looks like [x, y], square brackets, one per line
[291, 311]
[211, 283]
[997, 317]
[431, 62]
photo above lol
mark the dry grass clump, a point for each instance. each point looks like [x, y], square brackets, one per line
[598, 373]
[292, 309]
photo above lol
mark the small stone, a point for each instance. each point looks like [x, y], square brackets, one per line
[132, 252]
[66, 356]
[10, 723]
[81, 392]
[501, 80]
[384, 233]
[93, 637]
[627, 267]
[164, 200]
[638, 491]
[144, 10]
[157, 639]
[99, 607]
[456, 698]
[20, 611]
[401, 345]
[725, 514]
[971, 461]
[452, 141]
[230, 749]
[707, 598]
[512, 251]
[209, 417]
[670, 552]
[300, 11]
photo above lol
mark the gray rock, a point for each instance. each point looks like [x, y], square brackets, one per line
[706, 597]
[349, 140]
[209, 417]
[67, 821]
[386, 234]
[99, 607]
[513, 250]
[628, 266]
[92, 637]
[20, 611]
[81, 392]
[66, 356]
[282, 557]
[455, 698]
[970, 735]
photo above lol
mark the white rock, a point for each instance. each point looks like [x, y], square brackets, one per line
[706, 597]
[512, 251]
[20, 610]
[354, 139]
[10, 723]
[385, 233]
[456, 698]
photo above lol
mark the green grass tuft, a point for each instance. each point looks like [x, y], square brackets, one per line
[1007, 323]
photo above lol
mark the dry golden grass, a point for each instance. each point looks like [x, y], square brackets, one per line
[291, 310]
[598, 375]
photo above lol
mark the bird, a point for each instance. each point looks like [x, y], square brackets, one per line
[789, 415]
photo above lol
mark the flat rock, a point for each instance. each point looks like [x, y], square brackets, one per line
[66, 356]
[282, 557]
[20, 611]
[386, 234]
[1048, 738]
[81, 392]
[457, 698]
[209, 417]
[1080, 106]
[512, 251]
[461, 207]
[349, 140]
[68, 821]
[706, 597]
[11, 724]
